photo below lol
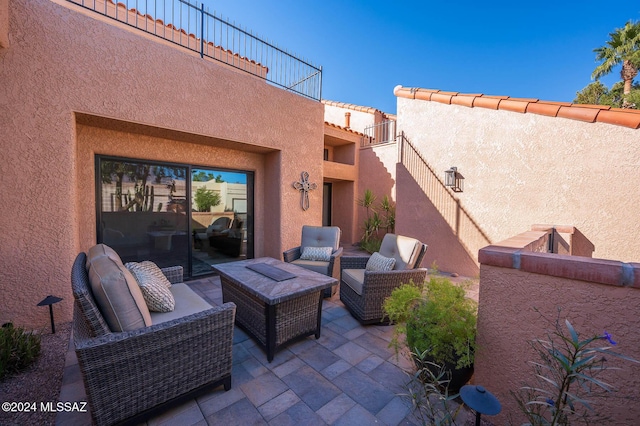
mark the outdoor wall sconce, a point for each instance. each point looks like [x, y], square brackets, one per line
[50, 301]
[453, 179]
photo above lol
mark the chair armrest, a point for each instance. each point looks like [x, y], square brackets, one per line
[337, 253]
[292, 254]
[375, 279]
[161, 362]
[174, 274]
[353, 262]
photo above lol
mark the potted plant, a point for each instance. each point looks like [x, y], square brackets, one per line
[439, 323]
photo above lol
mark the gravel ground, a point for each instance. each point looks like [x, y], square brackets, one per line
[39, 383]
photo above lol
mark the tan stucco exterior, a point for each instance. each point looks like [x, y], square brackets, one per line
[76, 84]
[521, 286]
[523, 168]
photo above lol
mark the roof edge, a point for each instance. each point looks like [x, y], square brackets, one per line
[588, 113]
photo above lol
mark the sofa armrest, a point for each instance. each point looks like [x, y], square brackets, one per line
[292, 254]
[128, 373]
[174, 274]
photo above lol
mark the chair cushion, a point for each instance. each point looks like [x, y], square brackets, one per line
[320, 236]
[313, 265]
[354, 278]
[118, 295]
[404, 249]
[380, 263]
[154, 285]
[100, 250]
[317, 253]
[187, 303]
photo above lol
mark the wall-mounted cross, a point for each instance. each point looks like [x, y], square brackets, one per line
[304, 187]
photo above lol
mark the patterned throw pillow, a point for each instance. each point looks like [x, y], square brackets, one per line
[322, 254]
[154, 285]
[379, 263]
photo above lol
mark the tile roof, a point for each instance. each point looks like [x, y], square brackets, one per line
[582, 112]
[326, 123]
[366, 109]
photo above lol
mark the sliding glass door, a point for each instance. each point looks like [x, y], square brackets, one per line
[174, 214]
[221, 219]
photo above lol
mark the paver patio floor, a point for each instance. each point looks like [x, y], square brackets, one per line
[347, 377]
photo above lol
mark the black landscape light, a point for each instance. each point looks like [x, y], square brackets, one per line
[480, 400]
[50, 301]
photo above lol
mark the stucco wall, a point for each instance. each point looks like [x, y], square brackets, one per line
[507, 322]
[377, 172]
[62, 60]
[358, 120]
[521, 169]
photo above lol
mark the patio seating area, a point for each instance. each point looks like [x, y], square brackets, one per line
[347, 377]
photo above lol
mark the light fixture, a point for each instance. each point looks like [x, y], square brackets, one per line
[453, 179]
[480, 400]
[50, 301]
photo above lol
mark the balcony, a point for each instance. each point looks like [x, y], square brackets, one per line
[213, 38]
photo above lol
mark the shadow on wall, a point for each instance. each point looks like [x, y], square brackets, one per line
[374, 174]
[417, 216]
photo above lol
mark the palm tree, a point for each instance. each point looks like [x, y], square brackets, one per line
[623, 47]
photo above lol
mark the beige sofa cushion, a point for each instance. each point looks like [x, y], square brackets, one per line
[187, 303]
[117, 295]
[100, 250]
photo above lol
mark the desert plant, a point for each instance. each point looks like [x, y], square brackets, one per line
[428, 392]
[436, 317]
[378, 217]
[568, 377]
[18, 349]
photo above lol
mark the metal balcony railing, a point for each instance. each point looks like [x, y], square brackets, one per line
[384, 132]
[194, 28]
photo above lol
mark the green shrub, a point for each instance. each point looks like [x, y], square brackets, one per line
[437, 317]
[18, 349]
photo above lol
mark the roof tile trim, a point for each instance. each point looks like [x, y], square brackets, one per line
[588, 113]
[370, 110]
[326, 123]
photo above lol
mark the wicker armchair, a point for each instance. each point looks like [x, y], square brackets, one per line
[363, 292]
[131, 375]
[318, 236]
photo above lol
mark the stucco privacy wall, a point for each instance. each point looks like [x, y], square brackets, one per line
[61, 60]
[507, 321]
[527, 168]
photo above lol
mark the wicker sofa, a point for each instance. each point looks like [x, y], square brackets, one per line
[131, 375]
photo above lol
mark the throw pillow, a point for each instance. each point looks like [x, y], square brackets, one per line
[148, 271]
[322, 254]
[155, 291]
[379, 263]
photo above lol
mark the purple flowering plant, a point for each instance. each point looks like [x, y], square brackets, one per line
[568, 377]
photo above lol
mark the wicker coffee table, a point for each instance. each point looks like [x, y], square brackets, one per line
[276, 304]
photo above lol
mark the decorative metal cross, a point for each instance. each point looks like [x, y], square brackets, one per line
[304, 187]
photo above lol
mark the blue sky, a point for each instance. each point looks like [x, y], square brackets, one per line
[538, 49]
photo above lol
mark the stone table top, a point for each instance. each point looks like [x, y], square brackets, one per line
[271, 291]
